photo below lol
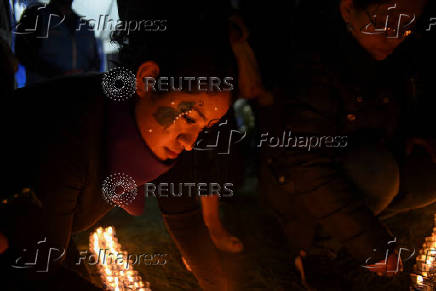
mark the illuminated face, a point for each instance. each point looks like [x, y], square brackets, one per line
[171, 123]
[380, 28]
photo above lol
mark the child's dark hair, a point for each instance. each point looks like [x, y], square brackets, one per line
[190, 39]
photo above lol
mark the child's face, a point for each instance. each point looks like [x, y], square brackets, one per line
[171, 123]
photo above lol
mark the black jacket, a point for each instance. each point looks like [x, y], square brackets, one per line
[55, 146]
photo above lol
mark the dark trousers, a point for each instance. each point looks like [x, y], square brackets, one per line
[390, 186]
[387, 185]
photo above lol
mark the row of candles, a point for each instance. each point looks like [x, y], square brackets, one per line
[424, 276]
[116, 277]
[121, 277]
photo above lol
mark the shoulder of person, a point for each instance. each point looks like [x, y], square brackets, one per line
[60, 89]
[64, 100]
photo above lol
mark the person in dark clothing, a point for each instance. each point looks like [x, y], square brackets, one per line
[342, 163]
[53, 40]
[64, 143]
[8, 67]
[8, 62]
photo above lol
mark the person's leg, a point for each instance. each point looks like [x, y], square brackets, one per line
[296, 222]
[375, 173]
[297, 225]
[418, 185]
[218, 233]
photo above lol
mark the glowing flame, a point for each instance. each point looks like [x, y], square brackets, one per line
[115, 276]
[424, 276]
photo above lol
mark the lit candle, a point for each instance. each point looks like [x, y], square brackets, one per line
[425, 267]
[115, 276]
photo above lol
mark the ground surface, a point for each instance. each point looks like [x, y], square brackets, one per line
[265, 263]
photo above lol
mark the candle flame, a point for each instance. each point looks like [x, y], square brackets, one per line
[424, 276]
[114, 276]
